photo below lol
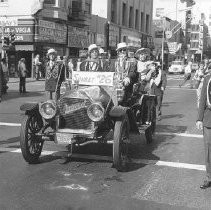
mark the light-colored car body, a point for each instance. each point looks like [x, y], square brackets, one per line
[177, 67]
[194, 66]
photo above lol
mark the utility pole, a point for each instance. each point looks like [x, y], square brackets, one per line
[2, 40]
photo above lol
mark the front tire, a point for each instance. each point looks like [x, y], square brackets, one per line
[31, 144]
[120, 145]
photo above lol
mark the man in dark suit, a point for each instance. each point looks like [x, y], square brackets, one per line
[204, 123]
[158, 83]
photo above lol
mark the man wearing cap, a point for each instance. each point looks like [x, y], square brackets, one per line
[55, 74]
[93, 62]
[125, 69]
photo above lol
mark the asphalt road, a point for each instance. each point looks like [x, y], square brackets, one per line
[164, 175]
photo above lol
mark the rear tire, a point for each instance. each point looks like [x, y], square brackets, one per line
[31, 144]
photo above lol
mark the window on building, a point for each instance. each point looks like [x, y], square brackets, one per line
[209, 23]
[131, 17]
[53, 2]
[147, 23]
[142, 21]
[114, 11]
[124, 12]
[137, 19]
[88, 8]
[210, 16]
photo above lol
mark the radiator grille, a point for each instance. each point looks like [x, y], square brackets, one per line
[76, 117]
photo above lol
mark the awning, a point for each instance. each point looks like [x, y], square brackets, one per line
[24, 47]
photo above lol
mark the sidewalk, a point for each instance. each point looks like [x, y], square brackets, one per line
[28, 80]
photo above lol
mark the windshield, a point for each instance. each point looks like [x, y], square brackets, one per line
[176, 63]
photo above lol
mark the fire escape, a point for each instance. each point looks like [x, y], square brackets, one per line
[79, 15]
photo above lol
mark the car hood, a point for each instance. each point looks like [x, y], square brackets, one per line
[93, 93]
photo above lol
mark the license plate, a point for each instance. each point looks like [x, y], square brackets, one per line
[63, 138]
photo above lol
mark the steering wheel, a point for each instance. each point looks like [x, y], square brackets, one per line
[89, 65]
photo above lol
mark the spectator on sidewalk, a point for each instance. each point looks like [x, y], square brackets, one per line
[5, 75]
[37, 66]
[22, 73]
[70, 67]
[187, 74]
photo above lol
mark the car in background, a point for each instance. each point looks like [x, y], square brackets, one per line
[194, 66]
[176, 67]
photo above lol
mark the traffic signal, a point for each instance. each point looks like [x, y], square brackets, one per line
[6, 40]
[12, 38]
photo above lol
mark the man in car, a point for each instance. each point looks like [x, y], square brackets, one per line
[94, 62]
[126, 70]
[54, 76]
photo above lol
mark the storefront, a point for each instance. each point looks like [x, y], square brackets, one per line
[48, 35]
[24, 38]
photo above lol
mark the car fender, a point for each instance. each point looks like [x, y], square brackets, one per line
[119, 112]
[29, 107]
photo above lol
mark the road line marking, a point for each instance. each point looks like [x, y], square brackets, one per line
[180, 134]
[157, 133]
[182, 88]
[181, 165]
[108, 158]
[10, 124]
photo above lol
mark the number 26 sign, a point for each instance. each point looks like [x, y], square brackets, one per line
[93, 78]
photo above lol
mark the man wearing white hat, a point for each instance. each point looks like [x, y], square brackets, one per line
[126, 69]
[55, 74]
[93, 62]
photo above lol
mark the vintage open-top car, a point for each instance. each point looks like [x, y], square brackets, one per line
[88, 111]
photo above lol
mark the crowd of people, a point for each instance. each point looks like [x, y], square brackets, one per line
[135, 70]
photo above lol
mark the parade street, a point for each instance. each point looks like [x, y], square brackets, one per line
[165, 174]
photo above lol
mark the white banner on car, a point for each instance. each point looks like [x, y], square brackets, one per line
[93, 78]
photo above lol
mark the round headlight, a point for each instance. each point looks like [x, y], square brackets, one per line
[95, 112]
[47, 109]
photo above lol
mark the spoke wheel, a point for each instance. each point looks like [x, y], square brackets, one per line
[31, 144]
[120, 145]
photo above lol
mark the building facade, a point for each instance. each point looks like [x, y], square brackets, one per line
[69, 26]
[198, 40]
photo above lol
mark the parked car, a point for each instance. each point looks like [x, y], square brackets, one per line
[176, 67]
[194, 66]
[89, 110]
